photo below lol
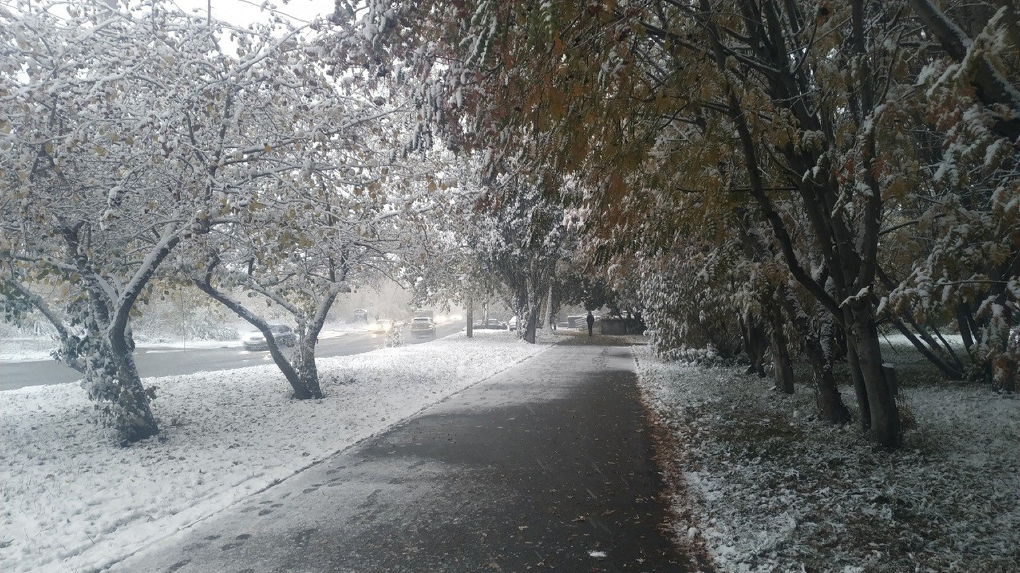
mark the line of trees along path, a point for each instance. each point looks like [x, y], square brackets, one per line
[819, 168]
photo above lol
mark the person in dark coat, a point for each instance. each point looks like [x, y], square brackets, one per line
[590, 319]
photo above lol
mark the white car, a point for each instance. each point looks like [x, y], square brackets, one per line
[381, 326]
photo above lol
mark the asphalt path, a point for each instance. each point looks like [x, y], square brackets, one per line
[161, 361]
[547, 466]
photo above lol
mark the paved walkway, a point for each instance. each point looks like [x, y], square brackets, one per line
[546, 466]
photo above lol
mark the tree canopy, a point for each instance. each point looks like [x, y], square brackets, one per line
[834, 151]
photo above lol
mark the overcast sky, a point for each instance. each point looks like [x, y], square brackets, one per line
[248, 11]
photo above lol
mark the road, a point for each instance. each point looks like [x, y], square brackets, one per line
[154, 362]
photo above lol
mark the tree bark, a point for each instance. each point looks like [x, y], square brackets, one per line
[548, 309]
[754, 339]
[818, 348]
[883, 415]
[134, 418]
[534, 307]
[782, 371]
[295, 377]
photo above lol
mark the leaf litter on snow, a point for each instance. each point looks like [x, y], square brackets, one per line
[775, 489]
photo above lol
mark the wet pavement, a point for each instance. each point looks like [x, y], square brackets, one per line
[547, 466]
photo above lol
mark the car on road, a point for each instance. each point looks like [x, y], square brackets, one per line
[381, 326]
[282, 333]
[422, 326]
[490, 324]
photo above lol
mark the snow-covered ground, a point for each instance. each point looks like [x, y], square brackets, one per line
[775, 490]
[18, 349]
[33, 349]
[71, 500]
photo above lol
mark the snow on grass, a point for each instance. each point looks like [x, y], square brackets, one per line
[23, 349]
[40, 349]
[72, 500]
[777, 490]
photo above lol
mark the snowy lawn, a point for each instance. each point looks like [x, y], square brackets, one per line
[776, 490]
[71, 500]
[26, 349]
[18, 349]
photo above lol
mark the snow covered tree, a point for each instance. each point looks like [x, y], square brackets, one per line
[520, 233]
[497, 238]
[125, 133]
[337, 210]
[301, 248]
[962, 228]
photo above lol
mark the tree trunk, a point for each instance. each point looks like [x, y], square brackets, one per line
[530, 333]
[755, 344]
[294, 378]
[306, 372]
[964, 325]
[882, 414]
[828, 399]
[782, 371]
[818, 348]
[548, 310]
[470, 316]
[860, 389]
[134, 417]
[110, 371]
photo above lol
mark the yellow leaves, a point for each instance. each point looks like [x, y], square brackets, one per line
[557, 104]
[898, 188]
[999, 254]
[706, 90]
[577, 153]
[558, 48]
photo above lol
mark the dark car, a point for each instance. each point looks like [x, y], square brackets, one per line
[282, 333]
[422, 326]
[491, 324]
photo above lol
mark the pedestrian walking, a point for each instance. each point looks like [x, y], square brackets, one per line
[590, 319]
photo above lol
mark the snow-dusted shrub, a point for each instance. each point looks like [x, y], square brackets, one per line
[690, 303]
